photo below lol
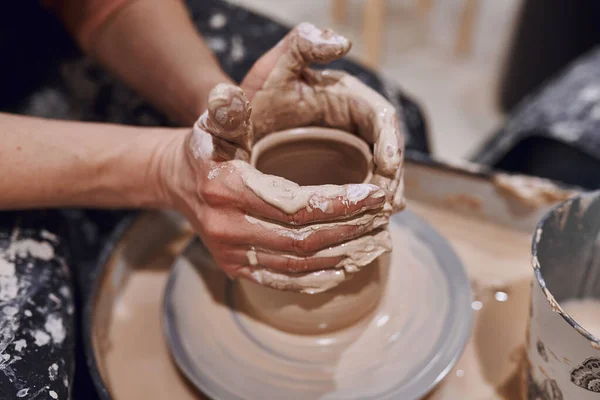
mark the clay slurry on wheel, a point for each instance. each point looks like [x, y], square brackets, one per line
[423, 315]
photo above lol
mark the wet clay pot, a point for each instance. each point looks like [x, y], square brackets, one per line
[314, 156]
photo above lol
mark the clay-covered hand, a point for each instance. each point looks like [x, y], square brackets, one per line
[286, 93]
[264, 227]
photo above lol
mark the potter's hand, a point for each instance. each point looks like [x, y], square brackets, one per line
[286, 93]
[256, 224]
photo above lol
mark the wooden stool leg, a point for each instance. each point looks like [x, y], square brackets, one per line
[373, 14]
[464, 41]
[425, 7]
[338, 11]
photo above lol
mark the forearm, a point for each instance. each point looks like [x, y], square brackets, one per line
[47, 163]
[153, 46]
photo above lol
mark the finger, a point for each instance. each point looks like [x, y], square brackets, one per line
[224, 131]
[352, 104]
[304, 45]
[351, 255]
[228, 115]
[306, 240]
[307, 282]
[399, 201]
[262, 68]
[394, 188]
[285, 202]
[349, 104]
[207, 147]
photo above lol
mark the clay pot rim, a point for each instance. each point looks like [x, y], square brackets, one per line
[314, 133]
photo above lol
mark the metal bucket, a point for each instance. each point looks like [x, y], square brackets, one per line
[564, 358]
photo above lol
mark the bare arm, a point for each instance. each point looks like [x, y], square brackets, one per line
[152, 46]
[48, 163]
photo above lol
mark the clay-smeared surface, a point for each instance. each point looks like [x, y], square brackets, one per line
[498, 263]
[531, 191]
[136, 361]
[422, 316]
[324, 157]
[497, 259]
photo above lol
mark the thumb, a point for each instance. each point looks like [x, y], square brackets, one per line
[224, 131]
[260, 71]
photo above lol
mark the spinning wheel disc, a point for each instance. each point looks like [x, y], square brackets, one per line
[399, 351]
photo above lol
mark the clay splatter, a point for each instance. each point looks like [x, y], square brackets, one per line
[20, 345]
[53, 372]
[41, 338]
[49, 236]
[54, 326]
[218, 21]
[237, 49]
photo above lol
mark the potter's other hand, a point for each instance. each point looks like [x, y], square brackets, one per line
[249, 220]
[286, 93]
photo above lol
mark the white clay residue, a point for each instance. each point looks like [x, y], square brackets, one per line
[49, 236]
[303, 232]
[238, 51]
[41, 338]
[20, 345]
[356, 254]
[12, 290]
[9, 287]
[297, 234]
[9, 282]
[6, 268]
[53, 372]
[356, 193]
[54, 326]
[290, 197]
[213, 173]
[310, 283]
[538, 235]
[216, 44]
[252, 259]
[10, 311]
[359, 252]
[320, 203]
[535, 192]
[32, 248]
[315, 35]
[202, 145]
[217, 21]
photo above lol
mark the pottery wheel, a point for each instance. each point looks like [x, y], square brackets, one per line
[401, 350]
